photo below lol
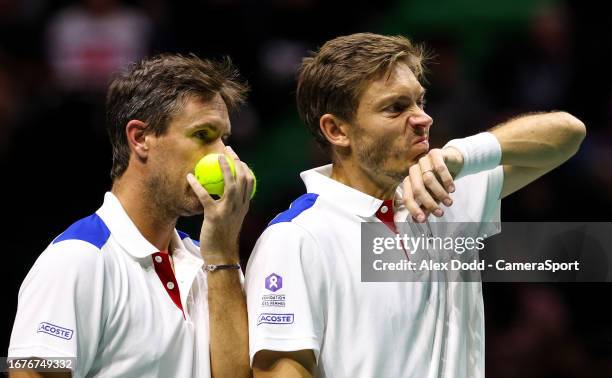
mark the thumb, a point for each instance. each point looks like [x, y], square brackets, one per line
[199, 190]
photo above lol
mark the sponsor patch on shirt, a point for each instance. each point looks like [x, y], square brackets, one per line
[275, 319]
[273, 300]
[57, 331]
[274, 282]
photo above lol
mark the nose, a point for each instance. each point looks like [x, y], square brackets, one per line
[218, 147]
[420, 119]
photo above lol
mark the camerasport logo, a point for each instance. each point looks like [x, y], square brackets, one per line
[275, 319]
[53, 330]
[274, 282]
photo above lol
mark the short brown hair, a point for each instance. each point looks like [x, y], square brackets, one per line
[155, 89]
[333, 79]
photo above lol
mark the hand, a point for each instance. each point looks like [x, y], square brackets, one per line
[223, 218]
[430, 182]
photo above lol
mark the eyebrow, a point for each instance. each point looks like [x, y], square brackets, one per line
[218, 126]
[397, 96]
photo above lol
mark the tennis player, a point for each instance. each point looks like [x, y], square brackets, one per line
[309, 313]
[122, 292]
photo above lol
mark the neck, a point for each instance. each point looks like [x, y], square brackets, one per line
[356, 177]
[152, 223]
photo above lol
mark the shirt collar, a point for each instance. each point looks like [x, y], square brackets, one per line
[125, 231]
[318, 180]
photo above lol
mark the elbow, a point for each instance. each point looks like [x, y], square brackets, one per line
[577, 128]
[574, 131]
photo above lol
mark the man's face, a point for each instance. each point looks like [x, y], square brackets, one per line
[200, 128]
[390, 131]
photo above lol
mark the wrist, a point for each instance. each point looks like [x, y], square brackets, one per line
[453, 160]
[221, 267]
[220, 258]
[221, 252]
[480, 152]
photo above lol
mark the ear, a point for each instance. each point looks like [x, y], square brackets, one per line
[137, 138]
[334, 130]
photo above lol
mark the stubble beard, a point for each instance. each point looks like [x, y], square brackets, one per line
[191, 204]
[169, 202]
[374, 154]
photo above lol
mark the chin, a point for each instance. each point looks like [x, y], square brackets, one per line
[192, 206]
[419, 149]
[414, 156]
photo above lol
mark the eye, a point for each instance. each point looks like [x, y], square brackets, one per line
[201, 134]
[395, 108]
[421, 103]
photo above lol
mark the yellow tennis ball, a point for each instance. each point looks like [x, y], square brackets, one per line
[209, 175]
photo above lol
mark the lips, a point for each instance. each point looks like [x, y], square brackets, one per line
[420, 139]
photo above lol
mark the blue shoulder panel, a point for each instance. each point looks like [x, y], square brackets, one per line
[185, 235]
[304, 202]
[91, 229]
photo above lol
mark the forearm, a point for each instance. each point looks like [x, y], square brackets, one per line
[527, 147]
[228, 330]
[539, 140]
[229, 349]
[284, 368]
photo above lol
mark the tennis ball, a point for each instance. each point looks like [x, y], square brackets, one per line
[209, 175]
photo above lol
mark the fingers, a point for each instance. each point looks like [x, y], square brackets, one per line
[429, 183]
[430, 179]
[244, 180]
[199, 190]
[223, 218]
[411, 204]
[241, 175]
[420, 192]
[442, 171]
[230, 151]
[228, 178]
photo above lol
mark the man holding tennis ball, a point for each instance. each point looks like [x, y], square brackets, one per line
[122, 293]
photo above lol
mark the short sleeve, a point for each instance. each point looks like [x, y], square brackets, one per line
[60, 305]
[478, 199]
[285, 291]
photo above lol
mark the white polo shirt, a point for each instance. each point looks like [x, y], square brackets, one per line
[304, 289]
[102, 293]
